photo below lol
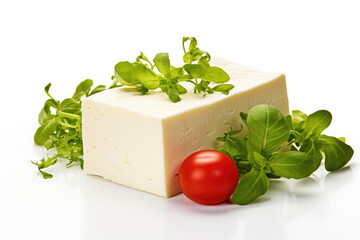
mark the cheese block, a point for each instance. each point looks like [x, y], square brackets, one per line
[140, 141]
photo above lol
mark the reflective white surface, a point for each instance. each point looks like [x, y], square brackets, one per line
[315, 43]
[73, 205]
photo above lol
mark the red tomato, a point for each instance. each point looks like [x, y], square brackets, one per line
[208, 177]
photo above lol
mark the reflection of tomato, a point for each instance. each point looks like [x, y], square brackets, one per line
[208, 177]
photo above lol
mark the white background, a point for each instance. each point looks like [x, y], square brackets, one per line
[315, 43]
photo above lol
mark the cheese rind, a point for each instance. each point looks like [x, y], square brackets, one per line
[140, 141]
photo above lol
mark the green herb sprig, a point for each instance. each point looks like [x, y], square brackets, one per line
[196, 69]
[60, 127]
[306, 136]
[257, 154]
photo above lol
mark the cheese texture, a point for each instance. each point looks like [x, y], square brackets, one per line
[140, 141]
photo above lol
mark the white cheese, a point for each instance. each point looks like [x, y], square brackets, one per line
[140, 141]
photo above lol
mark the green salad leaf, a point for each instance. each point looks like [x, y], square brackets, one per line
[162, 63]
[258, 157]
[196, 70]
[306, 136]
[316, 123]
[337, 153]
[223, 88]
[267, 130]
[292, 164]
[60, 127]
[254, 184]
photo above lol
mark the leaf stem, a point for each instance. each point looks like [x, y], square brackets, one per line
[68, 115]
[67, 124]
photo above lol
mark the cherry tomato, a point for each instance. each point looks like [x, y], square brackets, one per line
[208, 177]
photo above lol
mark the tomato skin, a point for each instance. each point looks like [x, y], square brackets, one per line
[208, 177]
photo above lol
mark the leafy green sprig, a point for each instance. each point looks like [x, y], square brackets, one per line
[142, 76]
[60, 126]
[257, 154]
[306, 136]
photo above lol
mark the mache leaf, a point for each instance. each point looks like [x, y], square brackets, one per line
[223, 88]
[181, 89]
[97, 89]
[236, 147]
[317, 122]
[254, 184]
[216, 75]
[310, 147]
[42, 134]
[44, 164]
[46, 110]
[337, 153]
[243, 117]
[267, 130]
[162, 63]
[173, 94]
[297, 117]
[136, 73]
[82, 89]
[291, 164]
[196, 70]
[70, 105]
[125, 73]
